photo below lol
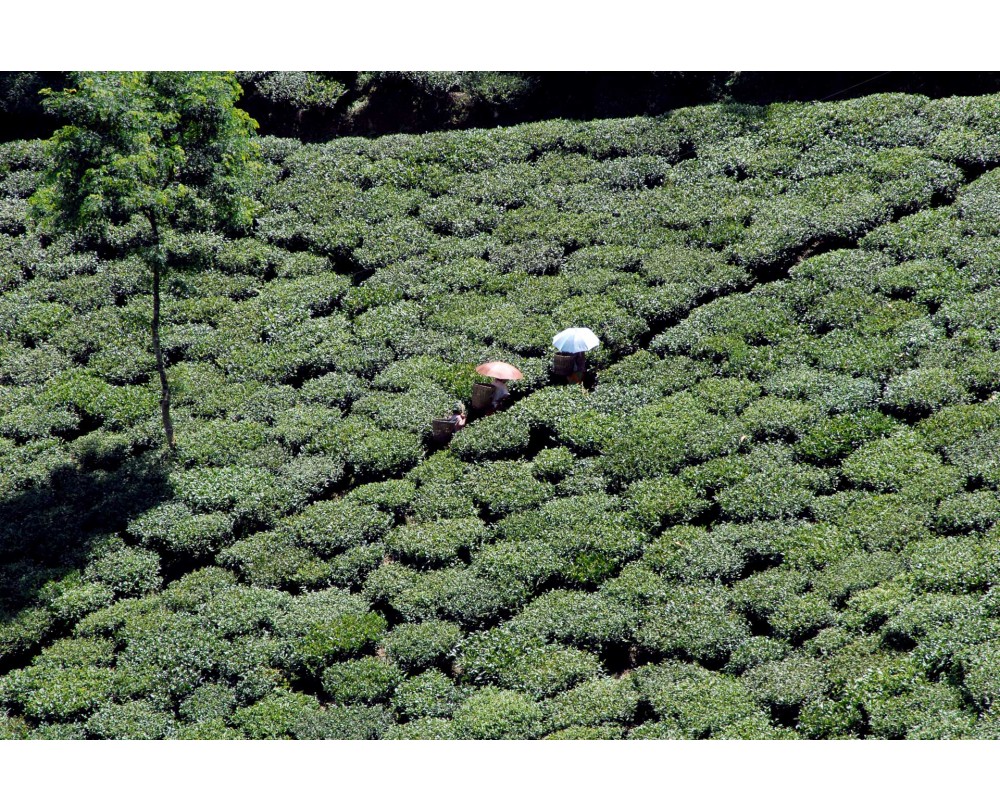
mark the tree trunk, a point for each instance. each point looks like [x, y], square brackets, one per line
[158, 262]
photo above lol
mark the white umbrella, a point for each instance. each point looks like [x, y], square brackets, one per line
[575, 339]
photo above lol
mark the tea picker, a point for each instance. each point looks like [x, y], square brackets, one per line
[491, 396]
[445, 428]
[571, 344]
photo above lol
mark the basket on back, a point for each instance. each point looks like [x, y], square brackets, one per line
[443, 429]
[482, 395]
[562, 364]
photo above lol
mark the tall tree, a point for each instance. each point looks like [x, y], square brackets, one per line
[170, 148]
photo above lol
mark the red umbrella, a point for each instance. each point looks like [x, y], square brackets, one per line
[499, 370]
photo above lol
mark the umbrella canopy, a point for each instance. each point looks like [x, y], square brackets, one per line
[575, 339]
[499, 370]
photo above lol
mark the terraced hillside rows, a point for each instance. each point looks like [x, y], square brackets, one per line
[773, 514]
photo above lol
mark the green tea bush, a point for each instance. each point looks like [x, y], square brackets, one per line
[978, 457]
[58, 693]
[457, 593]
[552, 464]
[322, 626]
[414, 646]
[801, 616]
[691, 553]
[492, 713]
[134, 720]
[756, 650]
[600, 701]
[79, 598]
[578, 618]
[777, 487]
[837, 393]
[693, 621]
[276, 715]
[877, 520]
[437, 542]
[411, 411]
[327, 527]
[382, 453]
[302, 427]
[423, 729]
[165, 657]
[759, 594]
[172, 527]
[502, 488]
[335, 389]
[210, 702]
[921, 391]
[220, 443]
[856, 571]
[429, 695]
[666, 499]
[51, 732]
[248, 493]
[440, 500]
[830, 438]
[393, 497]
[894, 716]
[368, 680]
[127, 572]
[697, 702]
[244, 610]
[500, 436]
[511, 659]
[213, 730]
[663, 436]
[968, 512]
[955, 564]
[888, 464]
[827, 718]
[273, 560]
[550, 535]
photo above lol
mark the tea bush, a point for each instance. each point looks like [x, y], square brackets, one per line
[277, 715]
[592, 703]
[435, 542]
[501, 656]
[492, 713]
[664, 499]
[321, 626]
[694, 702]
[135, 720]
[888, 464]
[367, 680]
[693, 621]
[502, 488]
[692, 554]
[429, 695]
[414, 646]
[328, 527]
[578, 618]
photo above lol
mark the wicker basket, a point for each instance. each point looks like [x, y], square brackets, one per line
[482, 396]
[443, 429]
[562, 364]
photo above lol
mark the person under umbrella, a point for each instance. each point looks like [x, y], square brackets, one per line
[500, 391]
[502, 373]
[575, 341]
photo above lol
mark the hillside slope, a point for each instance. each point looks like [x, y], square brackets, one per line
[773, 515]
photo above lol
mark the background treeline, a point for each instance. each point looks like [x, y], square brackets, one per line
[318, 105]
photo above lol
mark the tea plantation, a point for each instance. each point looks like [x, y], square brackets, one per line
[772, 513]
